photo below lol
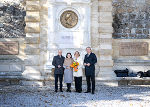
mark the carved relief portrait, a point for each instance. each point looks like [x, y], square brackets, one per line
[69, 19]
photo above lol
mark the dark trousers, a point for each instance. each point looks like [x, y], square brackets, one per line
[60, 77]
[89, 80]
[68, 86]
[78, 84]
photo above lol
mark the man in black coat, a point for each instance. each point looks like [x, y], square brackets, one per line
[59, 69]
[89, 63]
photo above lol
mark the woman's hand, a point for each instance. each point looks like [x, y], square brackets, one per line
[68, 67]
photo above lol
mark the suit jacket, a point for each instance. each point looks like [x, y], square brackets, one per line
[92, 59]
[57, 60]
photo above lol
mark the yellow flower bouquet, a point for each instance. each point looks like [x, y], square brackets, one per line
[75, 65]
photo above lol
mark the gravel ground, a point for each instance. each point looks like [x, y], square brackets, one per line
[19, 96]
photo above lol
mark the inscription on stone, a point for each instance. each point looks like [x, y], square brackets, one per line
[9, 48]
[133, 49]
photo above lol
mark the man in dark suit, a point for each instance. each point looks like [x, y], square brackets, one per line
[89, 63]
[59, 69]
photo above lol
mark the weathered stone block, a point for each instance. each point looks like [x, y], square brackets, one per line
[106, 46]
[105, 8]
[32, 28]
[95, 42]
[44, 31]
[106, 25]
[32, 60]
[31, 46]
[106, 51]
[105, 40]
[44, 6]
[44, 19]
[32, 5]
[106, 29]
[32, 40]
[94, 31]
[105, 57]
[32, 16]
[106, 63]
[105, 35]
[105, 2]
[105, 17]
[32, 35]
[32, 51]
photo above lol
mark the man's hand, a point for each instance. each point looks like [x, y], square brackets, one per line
[88, 64]
[85, 64]
[59, 66]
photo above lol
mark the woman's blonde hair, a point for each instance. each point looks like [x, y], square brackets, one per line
[76, 52]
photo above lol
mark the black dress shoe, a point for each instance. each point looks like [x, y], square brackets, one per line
[61, 90]
[56, 91]
[69, 90]
[76, 91]
[92, 92]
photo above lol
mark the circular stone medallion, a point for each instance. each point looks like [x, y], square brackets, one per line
[69, 19]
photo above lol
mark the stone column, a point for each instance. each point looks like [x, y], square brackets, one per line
[43, 36]
[94, 31]
[32, 50]
[105, 39]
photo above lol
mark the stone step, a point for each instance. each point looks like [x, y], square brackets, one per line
[10, 77]
[132, 62]
[134, 68]
[16, 73]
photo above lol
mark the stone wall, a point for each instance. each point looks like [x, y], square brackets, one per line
[12, 41]
[131, 19]
[12, 22]
[131, 25]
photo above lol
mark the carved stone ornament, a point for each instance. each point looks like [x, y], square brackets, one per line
[69, 19]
